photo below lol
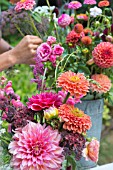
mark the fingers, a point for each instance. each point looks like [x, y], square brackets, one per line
[33, 39]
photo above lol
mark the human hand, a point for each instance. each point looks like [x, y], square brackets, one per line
[14, 1]
[25, 51]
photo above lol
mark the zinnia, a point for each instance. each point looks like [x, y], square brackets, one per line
[36, 147]
[78, 28]
[103, 3]
[74, 119]
[103, 83]
[103, 55]
[89, 2]
[76, 84]
[64, 20]
[44, 101]
[91, 151]
[74, 5]
[25, 4]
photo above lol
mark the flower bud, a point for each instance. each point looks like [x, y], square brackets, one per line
[97, 23]
[51, 113]
[85, 50]
[90, 62]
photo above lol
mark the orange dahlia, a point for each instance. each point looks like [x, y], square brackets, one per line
[72, 38]
[86, 40]
[87, 31]
[103, 83]
[103, 3]
[76, 84]
[74, 119]
[78, 28]
[82, 17]
[103, 55]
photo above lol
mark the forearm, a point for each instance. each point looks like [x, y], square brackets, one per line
[4, 46]
[7, 60]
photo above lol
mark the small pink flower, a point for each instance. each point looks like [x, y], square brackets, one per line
[89, 2]
[58, 50]
[51, 40]
[74, 5]
[25, 4]
[3, 80]
[8, 88]
[91, 151]
[62, 95]
[44, 51]
[52, 59]
[64, 20]
[17, 103]
[4, 116]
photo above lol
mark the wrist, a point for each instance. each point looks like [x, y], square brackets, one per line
[12, 57]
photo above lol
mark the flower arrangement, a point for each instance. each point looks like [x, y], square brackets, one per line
[72, 64]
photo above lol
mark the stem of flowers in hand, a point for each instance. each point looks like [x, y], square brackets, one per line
[42, 87]
[66, 98]
[88, 22]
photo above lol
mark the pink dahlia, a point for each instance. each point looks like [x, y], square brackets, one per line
[91, 151]
[74, 5]
[64, 20]
[76, 84]
[25, 4]
[44, 51]
[44, 101]
[74, 119]
[103, 83]
[36, 147]
[90, 2]
[103, 55]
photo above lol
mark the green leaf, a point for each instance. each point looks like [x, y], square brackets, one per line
[37, 17]
[72, 162]
[84, 69]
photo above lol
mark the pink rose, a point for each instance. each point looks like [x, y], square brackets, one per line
[58, 50]
[64, 20]
[44, 51]
[51, 40]
[91, 151]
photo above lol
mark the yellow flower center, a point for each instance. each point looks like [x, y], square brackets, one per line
[22, 1]
[36, 148]
[74, 79]
[76, 112]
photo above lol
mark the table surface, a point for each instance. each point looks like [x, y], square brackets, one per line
[104, 167]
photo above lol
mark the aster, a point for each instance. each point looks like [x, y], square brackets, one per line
[103, 55]
[74, 119]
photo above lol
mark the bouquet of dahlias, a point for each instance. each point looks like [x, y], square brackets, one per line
[73, 63]
[86, 39]
[49, 132]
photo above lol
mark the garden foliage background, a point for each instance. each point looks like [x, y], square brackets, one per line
[21, 76]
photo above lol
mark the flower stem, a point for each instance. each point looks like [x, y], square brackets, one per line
[66, 98]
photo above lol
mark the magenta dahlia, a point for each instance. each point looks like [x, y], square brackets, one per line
[44, 101]
[103, 55]
[35, 147]
[64, 20]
